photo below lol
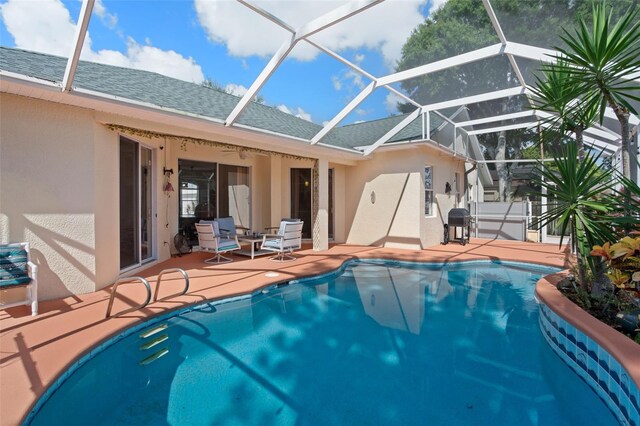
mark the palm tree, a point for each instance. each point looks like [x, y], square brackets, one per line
[582, 206]
[558, 91]
[604, 61]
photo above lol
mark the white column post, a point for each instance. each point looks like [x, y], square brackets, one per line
[321, 224]
[276, 190]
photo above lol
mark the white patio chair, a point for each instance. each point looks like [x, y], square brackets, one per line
[288, 239]
[17, 270]
[210, 240]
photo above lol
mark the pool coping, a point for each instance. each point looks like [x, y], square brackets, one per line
[619, 346]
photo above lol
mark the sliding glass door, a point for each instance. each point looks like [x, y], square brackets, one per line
[301, 198]
[136, 204]
[210, 190]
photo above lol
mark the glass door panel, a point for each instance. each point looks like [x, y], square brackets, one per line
[197, 181]
[234, 195]
[136, 203]
[301, 196]
[331, 205]
[129, 254]
[146, 204]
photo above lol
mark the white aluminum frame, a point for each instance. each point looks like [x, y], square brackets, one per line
[599, 134]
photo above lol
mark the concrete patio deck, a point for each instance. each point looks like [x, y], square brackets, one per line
[34, 351]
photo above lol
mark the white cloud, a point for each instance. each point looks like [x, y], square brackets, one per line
[361, 112]
[235, 89]
[384, 27]
[391, 102]
[356, 79]
[109, 19]
[435, 5]
[46, 26]
[337, 83]
[298, 112]
[348, 79]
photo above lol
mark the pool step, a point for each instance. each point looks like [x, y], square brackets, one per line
[148, 360]
[151, 331]
[149, 339]
[153, 342]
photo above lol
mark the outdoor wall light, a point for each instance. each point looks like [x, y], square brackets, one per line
[447, 188]
[306, 183]
[373, 197]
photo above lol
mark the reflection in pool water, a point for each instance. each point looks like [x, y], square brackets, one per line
[375, 344]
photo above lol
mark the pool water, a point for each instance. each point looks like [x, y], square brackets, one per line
[376, 344]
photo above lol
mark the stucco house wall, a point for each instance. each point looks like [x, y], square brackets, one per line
[59, 189]
[385, 198]
[48, 164]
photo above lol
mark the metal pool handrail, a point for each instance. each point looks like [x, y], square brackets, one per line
[135, 308]
[166, 271]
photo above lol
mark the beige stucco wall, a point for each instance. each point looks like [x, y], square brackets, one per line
[59, 189]
[47, 192]
[385, 198]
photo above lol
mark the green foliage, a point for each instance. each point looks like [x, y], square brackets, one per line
[603, 58]
[581, 206]
[623, 261]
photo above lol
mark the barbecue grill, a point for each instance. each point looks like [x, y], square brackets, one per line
[458, 218]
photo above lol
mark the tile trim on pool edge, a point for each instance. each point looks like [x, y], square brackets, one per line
[593, 364]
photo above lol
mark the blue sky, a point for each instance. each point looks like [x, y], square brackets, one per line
[224, 41]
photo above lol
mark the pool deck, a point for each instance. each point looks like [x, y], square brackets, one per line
[34, 351]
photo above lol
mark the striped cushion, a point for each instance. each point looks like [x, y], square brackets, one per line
[12, 254]
[13, 267]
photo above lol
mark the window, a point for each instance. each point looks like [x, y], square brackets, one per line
[428, 191]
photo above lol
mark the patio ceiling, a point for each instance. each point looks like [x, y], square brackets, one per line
[514, 52]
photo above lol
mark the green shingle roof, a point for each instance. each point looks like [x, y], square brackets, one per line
[191, 98]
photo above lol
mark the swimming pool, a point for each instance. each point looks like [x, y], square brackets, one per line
[376, 343]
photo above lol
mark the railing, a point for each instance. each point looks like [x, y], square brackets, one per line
[135, 308]
[168, 271]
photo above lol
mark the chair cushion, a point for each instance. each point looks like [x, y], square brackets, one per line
[13, 267]
[12, 255]
[227, 244]
[272, 244]
[14, 282]
[227, 226]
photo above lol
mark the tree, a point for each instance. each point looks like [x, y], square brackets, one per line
[582, 207]
[558, 92]
[460, 26]
[602, 60]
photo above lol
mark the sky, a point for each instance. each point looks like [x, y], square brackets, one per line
[224, 41]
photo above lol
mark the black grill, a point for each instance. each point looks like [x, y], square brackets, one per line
[458, 218]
